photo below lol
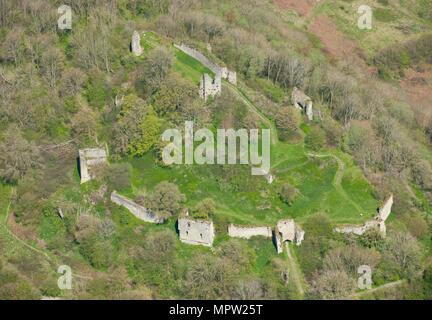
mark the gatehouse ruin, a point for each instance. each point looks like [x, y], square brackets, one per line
[287, 231]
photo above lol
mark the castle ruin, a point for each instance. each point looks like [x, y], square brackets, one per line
[195, 231]
[88, 159]
[137, 210]
[377, 223]
[136, 48]
[301, 101]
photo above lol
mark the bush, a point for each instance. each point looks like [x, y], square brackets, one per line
[166, 199]
[332, 284]
[288, 123]
[416, 224]
[288, 193]
[118, 176]
[100, 253]
[315, 140]
[205, 208]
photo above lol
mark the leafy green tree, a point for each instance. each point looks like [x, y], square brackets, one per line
[166, 199]
[149, 134]
[174, 96]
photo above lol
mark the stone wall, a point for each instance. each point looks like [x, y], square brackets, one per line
[194, 231]
[385, 210]
[249, 232]
[89, 158]
[137, 210]
[360, 229]
[231, 76]
[377, 223]
[199, 56]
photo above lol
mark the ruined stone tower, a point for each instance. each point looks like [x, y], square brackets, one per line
[210, 87]
[301, 101]
[136, 44]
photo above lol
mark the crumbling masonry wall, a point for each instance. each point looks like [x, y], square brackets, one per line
[229, 75]
[89, 158]
[377, 223]
[136, 44]
[249, 232]
[301, 101]
[137, 210]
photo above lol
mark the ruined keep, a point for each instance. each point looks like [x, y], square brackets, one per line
[196, 231]
[88, 159]
[209, 87]
[137, 210]
[136, 44]
[249, 232]
[301, 101]
[287, 231]
[377, 223]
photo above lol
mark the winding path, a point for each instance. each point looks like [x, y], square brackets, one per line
[254, 109]
[295, 272]
[4, 229]
[383, 287]
[337, 180]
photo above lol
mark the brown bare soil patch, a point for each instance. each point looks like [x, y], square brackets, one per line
[338, 47]
[302, 7]
[335, 44]
[417, 85]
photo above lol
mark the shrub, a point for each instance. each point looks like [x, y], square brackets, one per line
[166, 199]
[315, 140]
[288, 193]
[118, 176]
[204, 208]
